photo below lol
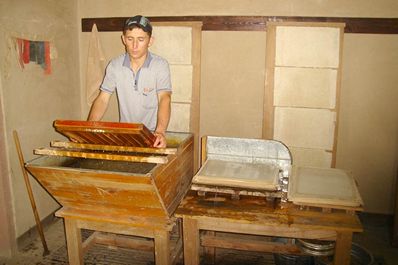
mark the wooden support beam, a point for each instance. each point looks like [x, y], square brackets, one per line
[253, 23]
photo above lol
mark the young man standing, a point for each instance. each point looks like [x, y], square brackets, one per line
[142, 81]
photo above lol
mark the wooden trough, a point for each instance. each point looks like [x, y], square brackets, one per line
[110, 179]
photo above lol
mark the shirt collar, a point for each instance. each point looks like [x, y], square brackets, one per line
[148, 59]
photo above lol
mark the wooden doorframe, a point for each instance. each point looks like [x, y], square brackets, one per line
[395, 228]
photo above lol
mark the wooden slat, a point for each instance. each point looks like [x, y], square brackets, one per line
[124, 242]
[253, 23]
[104, 156]
[248, 244]
[118, 148]
[130, 225]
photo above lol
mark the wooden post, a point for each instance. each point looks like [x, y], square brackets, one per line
[191, 241]
[74, 242]
[162, 247]
[342, 255]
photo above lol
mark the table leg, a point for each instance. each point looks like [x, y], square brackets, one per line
[342, 255]
[191, 241]
[162, 248]
[209, 252]
[74, 242]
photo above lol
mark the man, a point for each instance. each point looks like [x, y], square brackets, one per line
[142, 81]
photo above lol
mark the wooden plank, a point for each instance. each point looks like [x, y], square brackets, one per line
[265, 228]
[338, 94]
[372, 25]
[89, 242]
[268, 109]
[203, 150]
[143, 226]
[104, 156]
[195, 100]
[100, 147]
[247, 244]
[124, 242]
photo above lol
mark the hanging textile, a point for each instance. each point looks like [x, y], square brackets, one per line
[34, 51]
[95, 66]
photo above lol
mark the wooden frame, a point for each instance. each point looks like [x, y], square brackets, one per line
[269, 107]
[100, 132]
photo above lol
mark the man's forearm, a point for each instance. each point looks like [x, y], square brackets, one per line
[164, 111]
[99, 107]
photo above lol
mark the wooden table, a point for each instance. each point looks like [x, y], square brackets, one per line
[166, 250]
[257, 216]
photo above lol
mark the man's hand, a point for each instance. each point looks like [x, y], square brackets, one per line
[160, 141]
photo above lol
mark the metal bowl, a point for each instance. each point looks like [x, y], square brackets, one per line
[359, 256]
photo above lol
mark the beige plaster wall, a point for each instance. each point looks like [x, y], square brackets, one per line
[342, 8]
[368, 133]
[32, 100]
[233, 79]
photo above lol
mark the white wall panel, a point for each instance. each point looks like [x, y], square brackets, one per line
[307, 46]
[305, 87]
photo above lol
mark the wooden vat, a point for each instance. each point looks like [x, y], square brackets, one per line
[131, 190]
[119, 188]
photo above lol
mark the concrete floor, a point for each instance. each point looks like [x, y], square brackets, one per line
[376, 238]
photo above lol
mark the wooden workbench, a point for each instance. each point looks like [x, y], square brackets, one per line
[257, 216]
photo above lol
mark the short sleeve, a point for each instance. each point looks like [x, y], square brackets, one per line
[109, 82]
[163, 82]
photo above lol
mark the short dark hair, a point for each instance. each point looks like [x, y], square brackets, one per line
[138, 22]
